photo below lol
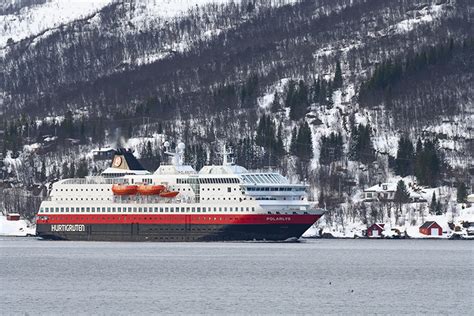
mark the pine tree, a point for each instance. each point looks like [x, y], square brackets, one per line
[72, 170]
[43, 171]
[290, 95]
[294, 141]
[65, 170]
[82, 170]
[434, 204]
[401, 195]
[461, 194]
[361, 148]
[299, 101]
[68, 124]
[428, 163]
[329, 98]
[405, 157]
[337, 82]
[304, 142]
[315, 91]
[275, 106]
[279, 146]
[321, 199]
[82, 132]
[331, 149]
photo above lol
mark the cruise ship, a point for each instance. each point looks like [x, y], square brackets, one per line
[176, 203]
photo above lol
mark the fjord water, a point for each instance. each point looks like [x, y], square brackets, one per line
[310, 277]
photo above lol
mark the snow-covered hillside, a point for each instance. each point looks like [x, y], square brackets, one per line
[208, 71]
[35, 19]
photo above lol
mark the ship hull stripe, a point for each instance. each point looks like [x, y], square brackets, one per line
[171, 232]
[178, 219]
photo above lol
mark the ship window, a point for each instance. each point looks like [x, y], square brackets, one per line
[166, 209]
[156, 209]
[140, 209]
[161, 209]
[87, 209]
[82, 209]
[135, 209]
[199, 210]
[193, 209]
[113, 209]
[172, 209]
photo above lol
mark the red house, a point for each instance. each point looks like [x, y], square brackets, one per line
[13, 217]
[375, 230]
[431, 228]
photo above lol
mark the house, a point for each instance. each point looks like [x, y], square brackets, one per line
[386, 192]
[375, 230]
[431, 228]
[380, 192]
[13, 217]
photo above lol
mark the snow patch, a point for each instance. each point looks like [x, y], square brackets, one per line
[33, 20]
[18, 228]
[425, 15]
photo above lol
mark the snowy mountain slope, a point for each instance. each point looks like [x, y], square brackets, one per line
[35, 19]
[205, 72]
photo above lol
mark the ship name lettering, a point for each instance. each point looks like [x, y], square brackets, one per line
[281, 218]
[68, 228]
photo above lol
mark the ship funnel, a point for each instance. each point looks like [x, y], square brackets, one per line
[124, 159]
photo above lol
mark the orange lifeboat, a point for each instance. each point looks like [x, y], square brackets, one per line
[123, 189]
[169, 194]
[150, 189]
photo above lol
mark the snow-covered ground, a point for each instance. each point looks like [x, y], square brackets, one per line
[33, 20]
[16, 228]
[425, 15]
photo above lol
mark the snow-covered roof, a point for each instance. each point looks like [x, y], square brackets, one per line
[378, 225]
[220, 169]
[172, 169]
[470, 198]
[428, 224]
[382, 187]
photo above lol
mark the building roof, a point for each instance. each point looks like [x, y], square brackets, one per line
[470, 198]
[428, 224]
[380, 187]
[378, 225]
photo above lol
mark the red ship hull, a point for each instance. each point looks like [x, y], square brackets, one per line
[177, 227]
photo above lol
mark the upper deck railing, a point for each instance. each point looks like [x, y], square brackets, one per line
[95, 180]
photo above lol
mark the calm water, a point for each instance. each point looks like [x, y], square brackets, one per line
[312, 277]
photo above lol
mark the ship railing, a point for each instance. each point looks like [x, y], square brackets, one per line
[95, 180]
[151, 200]
[135, 200]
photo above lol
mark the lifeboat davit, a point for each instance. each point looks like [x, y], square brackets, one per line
[123, 189]
[150, 189]
[169, 194]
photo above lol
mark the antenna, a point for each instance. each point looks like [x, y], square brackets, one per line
[226, 156]
[177, 157]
